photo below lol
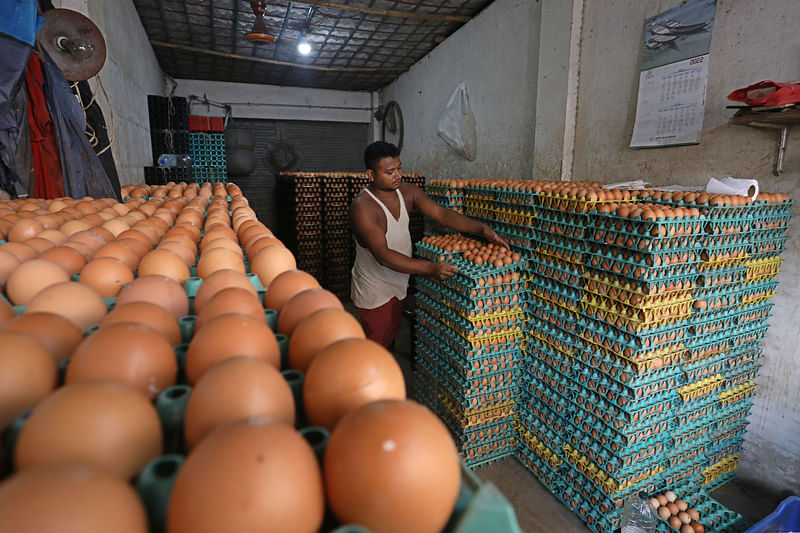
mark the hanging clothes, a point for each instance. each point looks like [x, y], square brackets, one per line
[48, 178]
[84, 174]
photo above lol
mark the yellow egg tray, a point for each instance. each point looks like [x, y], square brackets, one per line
[608, 483]
[692, 391]
[763, 269]
[562, 202]
[728, 464]
[721, 262]
[636, 299]
[737, 393]
[518, 217]
[478, 416]
[634, 319]
[537, 446]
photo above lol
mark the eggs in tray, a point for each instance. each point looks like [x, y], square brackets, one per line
[95, 385]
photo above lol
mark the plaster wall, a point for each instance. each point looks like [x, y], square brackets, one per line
[496, 54]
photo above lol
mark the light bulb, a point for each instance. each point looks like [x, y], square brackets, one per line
[304, 48]
[79, 48]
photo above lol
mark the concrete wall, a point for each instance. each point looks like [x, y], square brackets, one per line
[278, 103]
[130, 73]
[751, 42]
[496, 55]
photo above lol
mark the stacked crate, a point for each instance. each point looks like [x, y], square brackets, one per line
[416, 223]
[338, 244]
[299, 207]
[646, 315]
[468, 359]
[169, 134]
[208, 157]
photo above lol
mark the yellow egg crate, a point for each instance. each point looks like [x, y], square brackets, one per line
[763, 269]
[608, 483]
[488, 320]
[737, 393]
[468, 418]
[728, 464]
[701, 388]
[563, 202]
[713, 261]
[635, 319]
[537, 446]
[633, 296]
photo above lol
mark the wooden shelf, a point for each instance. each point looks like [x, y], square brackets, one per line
[778, 119]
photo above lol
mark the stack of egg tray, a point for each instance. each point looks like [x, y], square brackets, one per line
[337, 241]
[511, 216]
[416, 220]
[468, 353]
[445, 194]
[208, 157]
[299, 205]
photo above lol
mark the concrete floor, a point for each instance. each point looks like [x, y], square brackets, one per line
[538, 511]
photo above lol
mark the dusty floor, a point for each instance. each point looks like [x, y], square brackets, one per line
[539, 511]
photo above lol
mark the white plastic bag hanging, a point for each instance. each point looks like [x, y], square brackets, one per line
[457, 125]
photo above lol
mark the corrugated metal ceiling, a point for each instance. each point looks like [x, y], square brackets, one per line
[355, 45]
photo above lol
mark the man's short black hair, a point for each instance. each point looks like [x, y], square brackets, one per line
[377, 151]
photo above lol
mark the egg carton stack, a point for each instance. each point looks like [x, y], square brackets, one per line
[506, 206]
[468, 348]
[447, 193]
[337, 250]
[208, 157]
[416, 223]
[740, 252]
[300, 225]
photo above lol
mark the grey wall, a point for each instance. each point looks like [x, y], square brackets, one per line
[751, 41]
[496, 55]
[130, 73]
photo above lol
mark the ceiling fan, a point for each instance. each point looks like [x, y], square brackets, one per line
[258, 33]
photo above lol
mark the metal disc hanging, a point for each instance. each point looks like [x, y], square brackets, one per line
[74, 42]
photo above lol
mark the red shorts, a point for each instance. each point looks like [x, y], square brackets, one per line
[382, 323]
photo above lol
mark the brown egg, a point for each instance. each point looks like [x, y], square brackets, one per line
[182, 250]
[286, 285]
[319, 330]
[267, 464]
[236, 389]
[136, 247]
[86, 498]
[663, 512]
[256, 245]
[675, 522]
[682, 505]
[694, 514]
[54, 236]
[256, 230]
[148, 314]
[38, 244]
[219, 280]
[164, 263]
[21, 251]
[662, 499]
[673, 509]
[159, 290]
[27, 374]
[24, 229]
[6, 311]
[686, 528]
[74, 301]
[223, 242]
[671, 496]
[88, 237]
[271, 261]
[104, 424]
[697, 527]
[346, 375]
[231, 300]
[81, 248]
[229, 336]
[106, 276]
[684, 517]
[139, 236]
[8, 263]
[116, 226]
[127, 353]
[302, 305]
[31, 277]
[58, 335]
[119, 251]
[219, 259]
[412, 464]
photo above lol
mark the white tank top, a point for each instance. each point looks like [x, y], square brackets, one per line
[374, 284]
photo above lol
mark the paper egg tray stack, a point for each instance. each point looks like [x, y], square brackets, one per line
[208, 157]
[468, 354]
[299, 204]
[336, 223]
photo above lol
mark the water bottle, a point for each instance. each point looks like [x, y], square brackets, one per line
[638, 516]
[175, 160]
